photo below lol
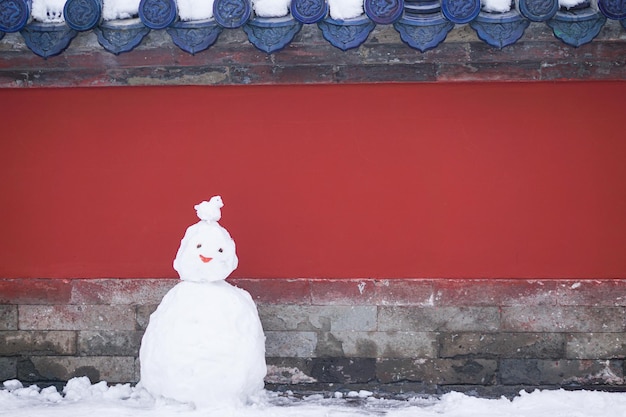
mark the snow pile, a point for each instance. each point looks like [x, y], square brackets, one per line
[206, 334]
[271, 8]
[120, 9]
[496, 6]
[14, 396]
[49, 11]
[345, 9]
[79, 398]
[568, 4]
[195, 9]
[536, 404]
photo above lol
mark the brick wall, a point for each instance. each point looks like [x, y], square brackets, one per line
[400, 335]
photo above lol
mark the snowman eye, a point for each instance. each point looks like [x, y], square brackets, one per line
[199, 245]
[220, 250]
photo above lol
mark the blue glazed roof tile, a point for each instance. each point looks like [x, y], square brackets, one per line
[422, 24]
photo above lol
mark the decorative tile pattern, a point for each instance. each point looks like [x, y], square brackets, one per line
[82, 14]
[14, 15]
[423, 32]
[157, 14]
[538, 10]
[271, 35]
[500, 29]
[309, 11]
[613, 9]
[119, 36]
[346, 34]
[384, 12]
[577, 27]
[460, 11]
[194, 37]
[232, 13]
[47, 39]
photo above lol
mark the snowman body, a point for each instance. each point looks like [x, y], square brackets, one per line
[204, 344]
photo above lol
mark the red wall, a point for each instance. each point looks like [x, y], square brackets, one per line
[420, 180]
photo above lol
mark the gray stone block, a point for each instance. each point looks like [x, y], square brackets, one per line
[318, 318]
[490, 292]
[109, 343]
[62, 368]
[14, 343]
[344, 370]
[560, 372]
[604, 292]
[289, 371]
[290, 344]
[502, 345]
[137, 370]
[8, 369]
[596, 346]
[8, 317]
[76, 317]
[433, 319]
[143, 315]
[328, 346]
[564, 319]
[387, 344]
[438, 371]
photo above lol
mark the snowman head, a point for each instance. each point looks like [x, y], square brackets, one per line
[206, 252]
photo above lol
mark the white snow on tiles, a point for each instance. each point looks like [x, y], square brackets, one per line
[271, 8]
[496, 6]
[49, 11]
[568, 4]
[120, 9]
[345, 9]
[195, 9]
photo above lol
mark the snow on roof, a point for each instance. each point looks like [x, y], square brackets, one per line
[52, 10]
[194, 25]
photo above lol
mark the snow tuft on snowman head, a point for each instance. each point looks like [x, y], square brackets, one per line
[210, 210]
[207, 251]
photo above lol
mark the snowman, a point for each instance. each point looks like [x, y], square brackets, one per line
[204, 344]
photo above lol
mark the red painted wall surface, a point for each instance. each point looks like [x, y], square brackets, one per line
[421, 180]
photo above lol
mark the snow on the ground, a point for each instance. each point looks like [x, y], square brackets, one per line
[80, 398]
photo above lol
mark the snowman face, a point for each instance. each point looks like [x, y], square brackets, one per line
[207, 253]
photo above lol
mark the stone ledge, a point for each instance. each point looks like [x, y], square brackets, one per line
[425, 292]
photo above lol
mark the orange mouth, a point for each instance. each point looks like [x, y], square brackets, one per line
[205, 259]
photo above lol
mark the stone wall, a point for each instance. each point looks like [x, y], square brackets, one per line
[492, 337]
